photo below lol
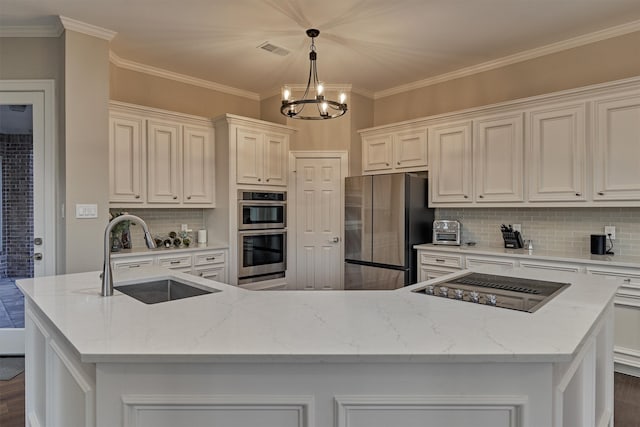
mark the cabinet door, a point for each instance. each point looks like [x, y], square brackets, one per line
[198, 165]
[377, 153]
[498, 159]
[616, 146]
[557, 153]
[127, 157]
[410, 149]
[249, 156]
[451, 164]
[164, 171]
[276, 149]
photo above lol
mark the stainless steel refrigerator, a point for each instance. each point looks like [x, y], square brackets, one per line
[385, 215]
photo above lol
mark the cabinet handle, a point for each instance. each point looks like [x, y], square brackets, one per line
[201, 274]
[627, 280]
[211, 258]
[440, 260]
[134, 265]
[175, 197]
[600, 193]
[137, 196]
[578, 194]
[175, 262]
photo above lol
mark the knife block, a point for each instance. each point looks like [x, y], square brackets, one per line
[512, 239]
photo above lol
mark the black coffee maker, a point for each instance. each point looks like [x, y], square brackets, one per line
[598, 244]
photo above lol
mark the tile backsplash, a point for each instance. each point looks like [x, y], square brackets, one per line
[162, 221]
[553, 229]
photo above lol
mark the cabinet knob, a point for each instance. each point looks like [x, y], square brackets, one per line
[481, 196]
[201, 274]
[267, 179]
[137, 196]
[387, 164]
[398, 163]
[175, 197]
[578, 194]
[466, 197]
[188, 197]
[259, 179]
[600, 193]
[627, 280]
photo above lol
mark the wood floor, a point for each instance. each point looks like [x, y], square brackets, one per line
[627, 401]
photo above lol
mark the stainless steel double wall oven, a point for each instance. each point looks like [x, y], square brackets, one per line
[262, 235]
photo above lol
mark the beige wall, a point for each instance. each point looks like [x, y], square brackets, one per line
[86, 165]
[607, 60]
[42, 58]
[151, 91]
[270, 110]
[361, 111]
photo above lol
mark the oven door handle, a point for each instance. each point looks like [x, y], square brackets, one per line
[262, 232]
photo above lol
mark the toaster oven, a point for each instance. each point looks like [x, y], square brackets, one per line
[446, 232]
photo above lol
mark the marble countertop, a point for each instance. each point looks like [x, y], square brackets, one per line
[238, 325]
[211, 245]
[610, 260]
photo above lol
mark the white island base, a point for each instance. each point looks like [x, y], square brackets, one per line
[65, 388]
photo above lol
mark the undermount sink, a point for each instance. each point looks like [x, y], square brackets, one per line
[153, 292]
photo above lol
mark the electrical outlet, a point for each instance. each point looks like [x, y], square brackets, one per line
[517, 227]
[610, 230]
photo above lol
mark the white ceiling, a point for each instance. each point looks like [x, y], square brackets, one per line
[374, 45]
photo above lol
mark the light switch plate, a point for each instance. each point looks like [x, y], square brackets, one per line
[86, 211]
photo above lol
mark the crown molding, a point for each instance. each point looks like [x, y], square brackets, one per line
[50, 30]
[571, 43]
[165, 74]
[88, 29]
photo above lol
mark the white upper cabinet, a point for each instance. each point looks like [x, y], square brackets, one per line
[402, 150]
[556, 149]
[163, 162]
[127, 151]
[451, 177]
[159, 158]
[616, 154]
[197, 165]
[498, 158]
[261, 157]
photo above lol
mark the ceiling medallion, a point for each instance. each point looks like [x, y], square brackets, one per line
[324, 108]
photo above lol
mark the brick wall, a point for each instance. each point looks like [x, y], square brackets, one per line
[555, 229]
[17, 204]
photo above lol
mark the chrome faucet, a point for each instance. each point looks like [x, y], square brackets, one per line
[107, 275]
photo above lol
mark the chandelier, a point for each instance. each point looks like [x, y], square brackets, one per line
[318, 107]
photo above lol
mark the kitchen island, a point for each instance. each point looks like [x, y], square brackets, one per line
[314, 359]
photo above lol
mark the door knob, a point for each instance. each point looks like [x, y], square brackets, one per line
[37, 256]
[37, 241]
[335, 240]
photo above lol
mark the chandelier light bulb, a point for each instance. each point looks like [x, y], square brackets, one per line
[320, 90]
[343, 97]
[286, 93]
[324, 107]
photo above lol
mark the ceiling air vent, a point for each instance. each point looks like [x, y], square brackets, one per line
[274, 49]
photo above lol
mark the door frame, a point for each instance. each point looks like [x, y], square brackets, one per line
[343, 156]
[13, 340]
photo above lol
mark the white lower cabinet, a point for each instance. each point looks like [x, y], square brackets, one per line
[207, 263]
[434, 263]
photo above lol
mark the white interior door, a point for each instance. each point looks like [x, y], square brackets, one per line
[319, 218]
[38, 94]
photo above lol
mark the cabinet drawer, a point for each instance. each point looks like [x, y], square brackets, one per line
[175, 262]
[429, 272]
[454, 261]
[127, 263]
[206, 258]
[212, 273]
[555, 266]
[475, 261]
